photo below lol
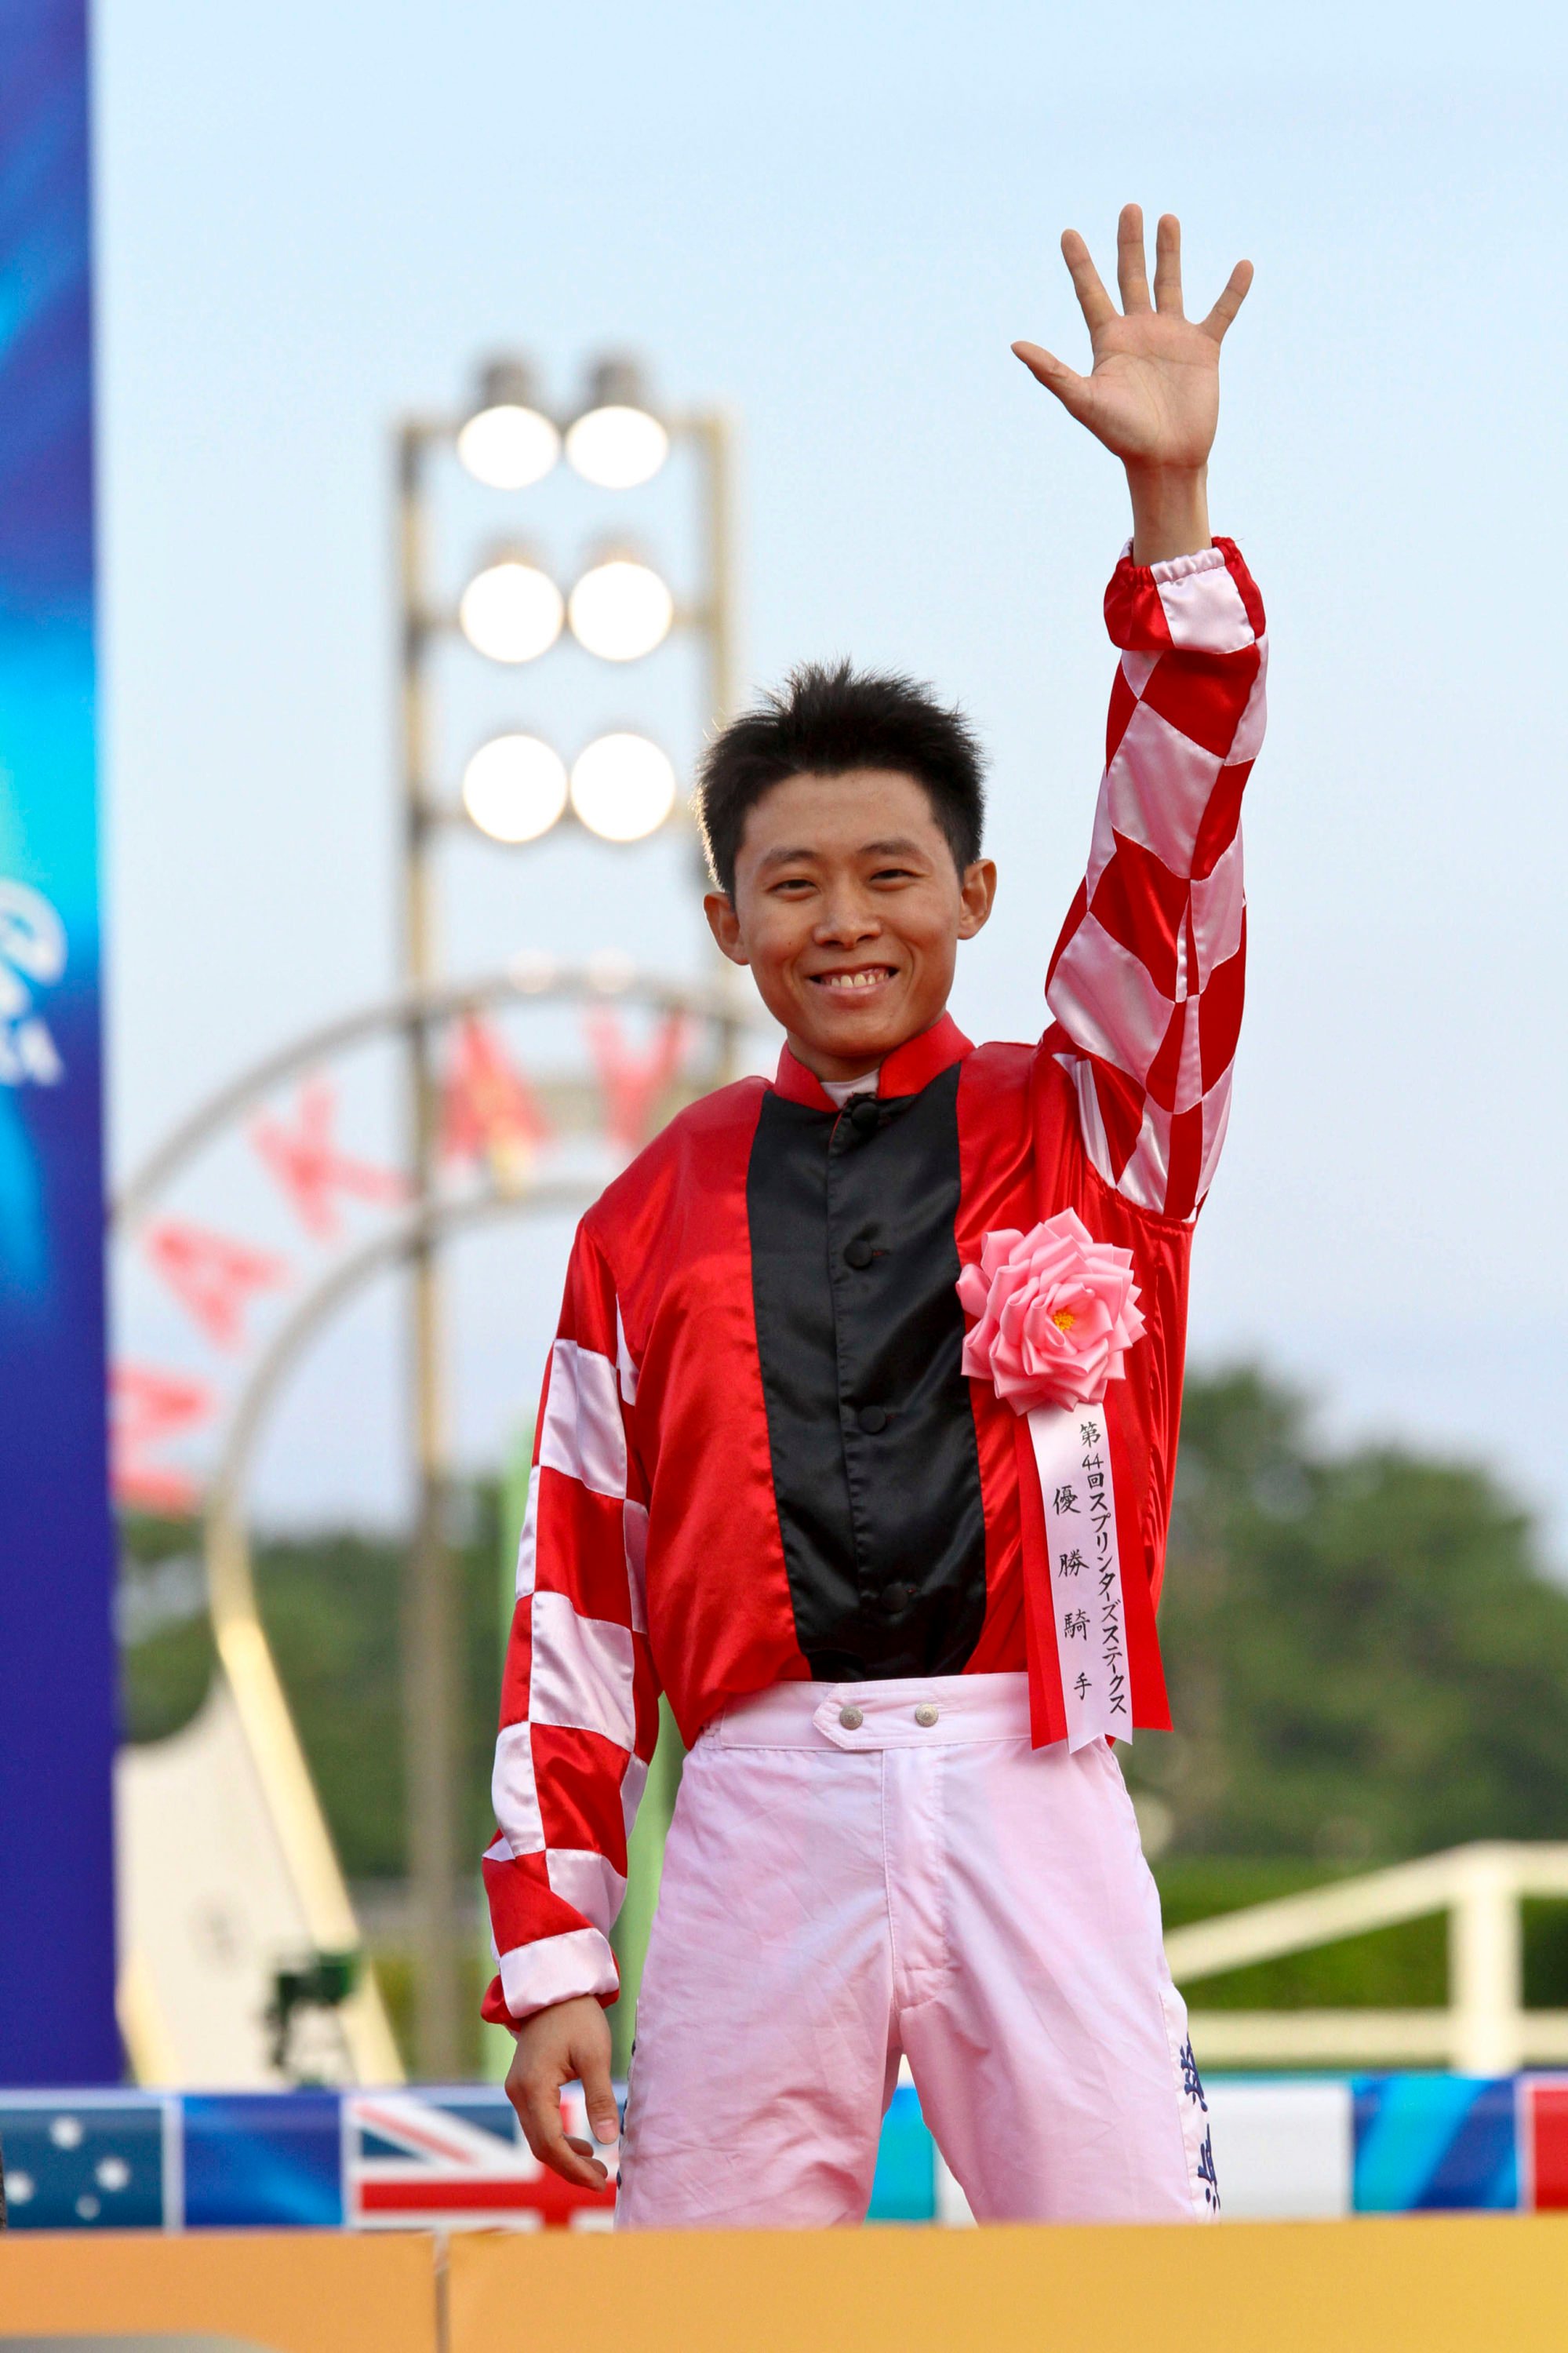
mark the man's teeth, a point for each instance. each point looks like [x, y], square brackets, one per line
[855, 979]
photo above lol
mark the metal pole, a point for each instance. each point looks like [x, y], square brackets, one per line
[432, 1615]
[711, 430]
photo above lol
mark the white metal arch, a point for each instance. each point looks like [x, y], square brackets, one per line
[525, 980]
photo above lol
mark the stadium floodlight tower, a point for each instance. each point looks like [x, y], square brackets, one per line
[621, 787]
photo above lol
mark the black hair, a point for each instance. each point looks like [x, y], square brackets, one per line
[824, 722]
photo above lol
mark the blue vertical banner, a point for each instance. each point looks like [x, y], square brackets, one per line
[57, 1650]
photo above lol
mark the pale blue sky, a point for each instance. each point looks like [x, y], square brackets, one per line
[834, 220]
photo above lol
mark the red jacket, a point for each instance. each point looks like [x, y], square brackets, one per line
[757, 1457]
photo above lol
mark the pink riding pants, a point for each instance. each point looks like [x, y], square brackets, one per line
[859, 1873]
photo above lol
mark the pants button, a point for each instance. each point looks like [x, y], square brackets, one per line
[851, 1718]
[926, 1714]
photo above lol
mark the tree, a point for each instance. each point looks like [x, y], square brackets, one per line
[1365, 1659]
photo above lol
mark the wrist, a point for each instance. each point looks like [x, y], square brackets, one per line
[1170, 511]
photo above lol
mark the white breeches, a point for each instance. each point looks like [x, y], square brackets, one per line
[859, 1873]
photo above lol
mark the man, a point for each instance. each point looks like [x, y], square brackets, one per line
[859, 1437]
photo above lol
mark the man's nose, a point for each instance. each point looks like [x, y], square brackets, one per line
[846, 918]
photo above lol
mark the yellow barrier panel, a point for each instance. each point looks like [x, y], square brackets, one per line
[1443, 2284]
[289, 2291]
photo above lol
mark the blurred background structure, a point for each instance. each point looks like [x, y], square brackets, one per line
[622, 787]
[320, 718]
[234, 1909]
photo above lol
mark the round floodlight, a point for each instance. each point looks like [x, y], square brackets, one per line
[508, 447]
[514, 787]
[512, 611]
[617, 447]
[620, 610]
[623, 787]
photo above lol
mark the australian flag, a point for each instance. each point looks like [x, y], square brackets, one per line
[102, 2163]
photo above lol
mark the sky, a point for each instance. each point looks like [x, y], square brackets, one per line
[833, 222]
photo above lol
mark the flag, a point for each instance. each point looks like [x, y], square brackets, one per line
[457, 2160]
[104, 2162]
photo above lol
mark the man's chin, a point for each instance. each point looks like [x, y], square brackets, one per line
[870, 1037]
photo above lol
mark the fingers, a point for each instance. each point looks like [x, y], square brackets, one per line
[538, 2112]
[598, 2094]
[1072, 390]
[1168, 264]
[1129, 266]
[1093, 298]
[1131, 278]
[1230, 301]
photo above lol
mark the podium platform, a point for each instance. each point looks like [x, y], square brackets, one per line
[1452, 2284]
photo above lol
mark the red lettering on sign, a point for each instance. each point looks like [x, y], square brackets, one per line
[489, 1111]
[633, 1083]
[144, 1409]
[211, 1275]
[307, 1163]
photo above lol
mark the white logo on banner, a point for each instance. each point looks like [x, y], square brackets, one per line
[1073, 1457]
[32, 948]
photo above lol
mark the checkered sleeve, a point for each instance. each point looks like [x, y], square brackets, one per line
[579, 1699]
[1146, 979]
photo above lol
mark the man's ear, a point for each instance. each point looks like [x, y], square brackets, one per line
[725, 925]
[977, 896]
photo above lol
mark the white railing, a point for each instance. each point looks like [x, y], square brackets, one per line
[1486, 2029]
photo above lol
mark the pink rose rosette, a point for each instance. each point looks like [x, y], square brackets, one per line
[1057, 1309]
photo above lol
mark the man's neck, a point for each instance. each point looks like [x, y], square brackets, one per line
[835, 1070]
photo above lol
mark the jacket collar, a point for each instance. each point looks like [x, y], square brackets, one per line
[907, 1068]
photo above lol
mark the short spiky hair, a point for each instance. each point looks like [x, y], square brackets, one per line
[823, 722]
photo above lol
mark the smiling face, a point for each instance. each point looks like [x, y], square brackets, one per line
[848, 909]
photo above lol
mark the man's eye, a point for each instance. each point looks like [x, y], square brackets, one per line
[893, 874]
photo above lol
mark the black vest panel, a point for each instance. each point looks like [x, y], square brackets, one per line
[876, 1470]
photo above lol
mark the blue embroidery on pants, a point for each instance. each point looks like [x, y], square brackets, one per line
[1192, 2082]
[1193, 2085]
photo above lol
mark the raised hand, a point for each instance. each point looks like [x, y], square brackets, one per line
[1152, 395]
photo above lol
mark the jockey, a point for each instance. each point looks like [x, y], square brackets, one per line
[857, 1440]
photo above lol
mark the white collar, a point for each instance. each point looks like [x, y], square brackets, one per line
[842, 1091]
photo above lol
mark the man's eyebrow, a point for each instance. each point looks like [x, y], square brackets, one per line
[783, 856]
[895, 845]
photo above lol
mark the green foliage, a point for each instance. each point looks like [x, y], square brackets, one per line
[332, 1608]
[1365, 1663]
[1366, 1660]
[1393, 1969]
[1405, 1967]
[166, 1646]
[393, 1970]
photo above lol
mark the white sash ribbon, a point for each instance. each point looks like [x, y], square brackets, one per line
[1072, 1455]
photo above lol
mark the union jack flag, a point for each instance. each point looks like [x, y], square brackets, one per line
[457, 2160]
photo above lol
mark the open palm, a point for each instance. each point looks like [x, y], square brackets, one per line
[1153, 394]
